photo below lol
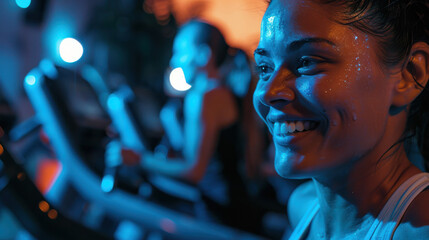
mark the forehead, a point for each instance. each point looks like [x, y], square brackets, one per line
[293, 19]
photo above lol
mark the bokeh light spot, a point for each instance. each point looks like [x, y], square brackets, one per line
[21, 176]
[70, 50]
[52, 214]
[178, 80]
[23, 3]
[168, 225]
[30, 80]
[43, 206]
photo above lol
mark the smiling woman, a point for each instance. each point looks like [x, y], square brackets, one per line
[342, 86]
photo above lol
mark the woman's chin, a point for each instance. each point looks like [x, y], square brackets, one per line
[293, 166]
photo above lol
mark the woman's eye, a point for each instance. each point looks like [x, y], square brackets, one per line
[263, 71]
[305, 63]
[308, 65]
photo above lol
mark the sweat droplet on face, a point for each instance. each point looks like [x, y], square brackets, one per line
[358, 65]
[366, 41]
[354, 116]
[269, 31]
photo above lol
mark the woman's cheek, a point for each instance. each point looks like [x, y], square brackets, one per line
[315, 90]
[260, 108]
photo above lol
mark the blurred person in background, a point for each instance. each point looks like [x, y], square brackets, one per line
[206, 128]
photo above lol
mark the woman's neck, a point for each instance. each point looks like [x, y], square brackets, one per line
[348, 202]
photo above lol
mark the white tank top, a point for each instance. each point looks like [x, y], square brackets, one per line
[387, 221]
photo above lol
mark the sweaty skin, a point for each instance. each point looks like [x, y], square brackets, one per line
[314, 72]
[333, 110]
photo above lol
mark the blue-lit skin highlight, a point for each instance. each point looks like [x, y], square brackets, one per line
[296, 64]
[314, 68]
[23, 3]
[70, 50]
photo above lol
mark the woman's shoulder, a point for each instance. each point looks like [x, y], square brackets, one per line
[415, 223]
[300, 201]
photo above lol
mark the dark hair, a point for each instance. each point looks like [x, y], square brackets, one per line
[397, 24]
[210, 35]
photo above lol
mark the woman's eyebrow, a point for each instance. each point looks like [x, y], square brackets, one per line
[260, 51]
[295, 45]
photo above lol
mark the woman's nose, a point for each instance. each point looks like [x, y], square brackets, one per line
[278, 90]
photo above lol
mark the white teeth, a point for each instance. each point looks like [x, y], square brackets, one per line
[299, 126]
[291, 127]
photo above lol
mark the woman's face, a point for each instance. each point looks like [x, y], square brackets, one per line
[322, 90]
[185, 51]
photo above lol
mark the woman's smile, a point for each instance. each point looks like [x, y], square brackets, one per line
[341, 89]
[318, 91]
[288, 129]
[293, 127]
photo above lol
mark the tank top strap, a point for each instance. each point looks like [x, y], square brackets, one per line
[388, 220]
[303, 226]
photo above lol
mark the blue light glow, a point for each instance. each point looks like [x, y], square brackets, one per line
[23, 3]
[70, 50]
[128, 230]
[107, 183]
[113, 102]
[178, 80]
[30, 79]
[48, 68]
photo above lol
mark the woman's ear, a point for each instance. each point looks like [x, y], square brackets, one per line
[414, 75]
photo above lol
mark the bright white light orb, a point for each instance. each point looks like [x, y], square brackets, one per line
[30, 79]
[178, 80]
[70, 50]
[23, 3]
